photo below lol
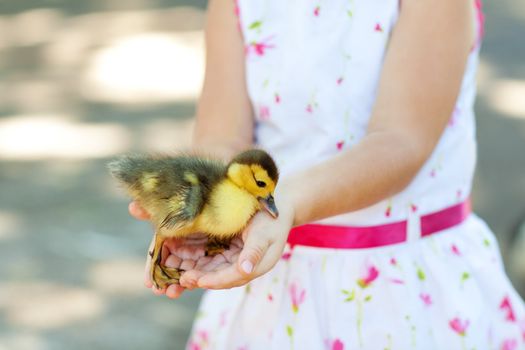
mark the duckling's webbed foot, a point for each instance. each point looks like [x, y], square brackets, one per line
[162, 276]
[155, 273]
[165, 276]
[217, 246]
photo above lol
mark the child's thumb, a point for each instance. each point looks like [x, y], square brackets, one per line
[255, 248]
[137, 211]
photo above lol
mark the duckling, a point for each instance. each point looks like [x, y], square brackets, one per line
[188, 194]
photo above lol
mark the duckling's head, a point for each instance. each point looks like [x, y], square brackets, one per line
[256, 172]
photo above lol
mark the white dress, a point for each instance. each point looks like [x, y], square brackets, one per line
[312, 74]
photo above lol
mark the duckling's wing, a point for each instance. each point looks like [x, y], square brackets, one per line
[184, 207]
[200, 176]
[173, 189]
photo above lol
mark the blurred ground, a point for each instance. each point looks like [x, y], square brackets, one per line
[81, 81]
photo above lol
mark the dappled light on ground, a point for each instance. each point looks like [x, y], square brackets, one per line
[508, 98]
[21, 340]
[505, 96]
[32, 95]
[9, 225]
[167, 134]
[43, 305]
[34, 26]
[34, 137]
[147, 68]
[95, 246]
[122, 277]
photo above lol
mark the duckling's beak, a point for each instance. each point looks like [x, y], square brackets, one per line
[269, 205]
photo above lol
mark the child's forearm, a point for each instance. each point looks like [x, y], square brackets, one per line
[222, 129]
[224, 116]
[371, 171]
[218, 145]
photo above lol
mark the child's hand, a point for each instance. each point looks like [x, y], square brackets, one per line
[186, 254]
[137, 211]
[189, 254]
[262, 246]
[259, 249]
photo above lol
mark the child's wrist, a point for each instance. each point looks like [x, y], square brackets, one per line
[287, 202]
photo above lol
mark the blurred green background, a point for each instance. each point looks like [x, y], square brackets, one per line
[82, 81]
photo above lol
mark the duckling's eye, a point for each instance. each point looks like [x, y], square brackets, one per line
[261, 183]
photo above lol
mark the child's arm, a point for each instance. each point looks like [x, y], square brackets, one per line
[418, 89]
[421, 78]
[224, 117]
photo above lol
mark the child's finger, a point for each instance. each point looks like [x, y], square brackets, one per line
[233, 276]
[189, 278]
[272, 257]
[254, 250]
[147, 279]
[137, 211]
[174, 291]
[223, 278]
[173, 261]
[158, 291]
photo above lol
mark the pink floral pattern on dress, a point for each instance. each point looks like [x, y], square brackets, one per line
[335, 344]
[264, 112]
[237, 12]
[459, 326]
[297, 295]
[455, 250]
[506, 306]
[388, 211]
[360, 296]
[223, 318]
[454, 117]
[312, 104]
[397, 281]
[509, 344]
[481, 22]
[259, 48]
[286, 256]
[436, 169]
[426, 298]
[200, 340]
[371, 275]
[346, 59]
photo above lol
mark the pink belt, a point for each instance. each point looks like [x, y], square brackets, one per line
[326, 236]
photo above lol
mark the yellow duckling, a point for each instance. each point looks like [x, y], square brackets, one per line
[189, 194]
